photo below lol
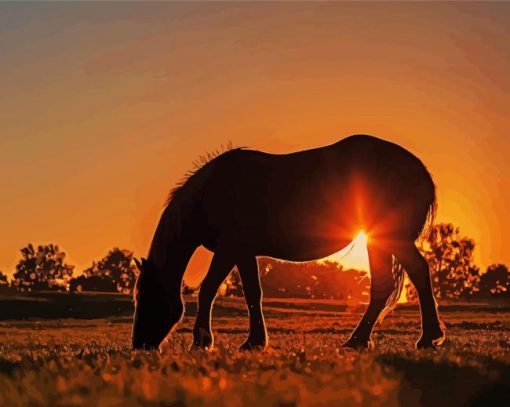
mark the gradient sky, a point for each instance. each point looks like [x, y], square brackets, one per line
[103, 106]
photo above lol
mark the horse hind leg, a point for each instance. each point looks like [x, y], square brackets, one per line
[249, 272]
[418, 271]
[221, 266]
[381, 287]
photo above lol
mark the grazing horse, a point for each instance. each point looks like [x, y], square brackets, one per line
[298, 207]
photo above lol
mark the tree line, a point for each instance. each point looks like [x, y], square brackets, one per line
[454, 273]
[45, 269]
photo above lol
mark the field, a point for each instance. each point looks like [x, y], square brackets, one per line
[89, 361]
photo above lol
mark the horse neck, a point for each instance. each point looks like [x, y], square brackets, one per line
[169, 253]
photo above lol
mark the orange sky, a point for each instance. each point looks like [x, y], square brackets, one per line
[104, 106]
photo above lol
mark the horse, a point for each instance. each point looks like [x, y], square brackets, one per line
[302, 206]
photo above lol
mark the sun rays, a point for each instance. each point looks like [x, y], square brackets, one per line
[355, 255]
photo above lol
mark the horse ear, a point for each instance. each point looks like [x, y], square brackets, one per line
[138, 264]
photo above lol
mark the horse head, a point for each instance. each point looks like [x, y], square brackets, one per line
[157, 309]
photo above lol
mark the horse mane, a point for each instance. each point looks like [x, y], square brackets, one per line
[173, 216]
[199, 164]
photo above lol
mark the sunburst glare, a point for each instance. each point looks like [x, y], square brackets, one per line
[355, 255]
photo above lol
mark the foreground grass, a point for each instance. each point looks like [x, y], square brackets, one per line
[72, 362]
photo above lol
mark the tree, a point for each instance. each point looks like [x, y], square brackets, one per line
[44, 269]
[115, 273]
[450, 257]
[92, 283]
[232, 286]
[188, 290]
[282, 279]
[495, 282]
[3, 280]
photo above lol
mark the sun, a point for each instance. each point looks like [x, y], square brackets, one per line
[361, 238]
[355, 255]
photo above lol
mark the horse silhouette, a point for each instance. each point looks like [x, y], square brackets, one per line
[298, 207]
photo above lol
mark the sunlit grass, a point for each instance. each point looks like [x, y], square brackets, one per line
[90, 363]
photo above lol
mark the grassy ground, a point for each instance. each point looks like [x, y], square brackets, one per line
[89, 362]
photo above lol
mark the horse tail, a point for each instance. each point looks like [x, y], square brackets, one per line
[428, 214]
[426, 229]
[427, 205]
[398, 278]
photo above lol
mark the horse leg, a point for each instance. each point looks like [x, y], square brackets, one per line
[220, 268]
[417, 268]
[381, 287]
[249, 272]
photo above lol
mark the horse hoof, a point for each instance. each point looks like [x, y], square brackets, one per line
[430, 342]
[358, 345]
[203, 344]
[426, 344]
[200, 347]
[202, 339]
[253, 345]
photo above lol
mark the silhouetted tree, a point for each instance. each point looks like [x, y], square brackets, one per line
[3, 279]
[232, 286]
[495, 282]
[115, 273]
[450, 257]
[188, 290]
[43, 269]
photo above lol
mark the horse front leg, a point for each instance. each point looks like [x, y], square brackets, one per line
[417, 268]
[221, 266]
[249, 272]
[381, 287]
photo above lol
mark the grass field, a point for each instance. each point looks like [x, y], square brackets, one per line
[89, 362]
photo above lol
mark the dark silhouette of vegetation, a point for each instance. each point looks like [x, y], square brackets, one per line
[188, 290]
[92, 283]
[3, 280]
[450, 257]
[495, 282]
[113, 273]
[449, 254]
[320, 280]
[42, 269]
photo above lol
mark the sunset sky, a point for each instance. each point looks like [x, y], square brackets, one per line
[103, 106]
